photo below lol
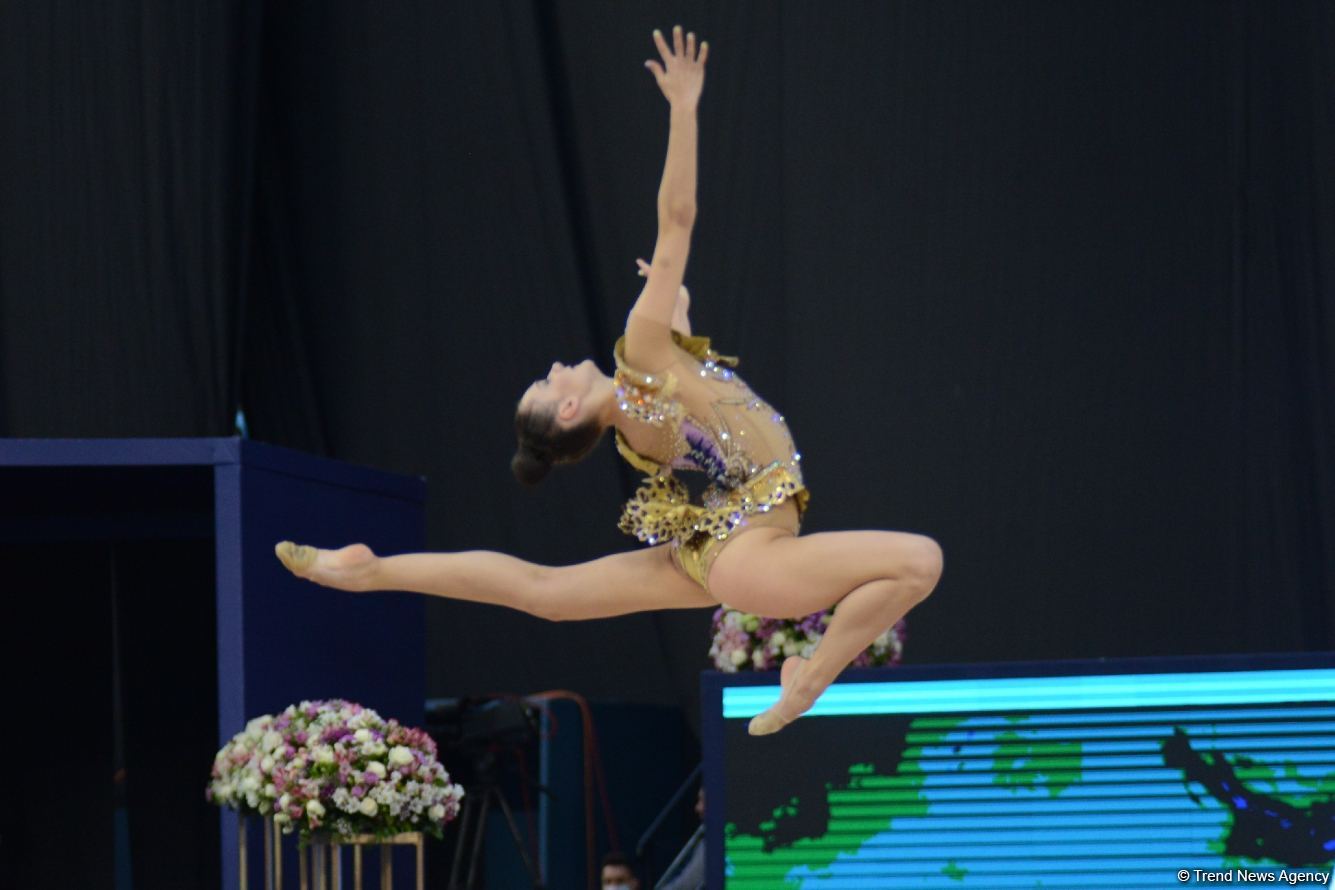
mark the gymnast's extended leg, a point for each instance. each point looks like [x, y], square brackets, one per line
[619, 584]
[871, 577]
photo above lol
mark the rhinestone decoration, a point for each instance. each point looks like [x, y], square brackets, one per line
[739, 485]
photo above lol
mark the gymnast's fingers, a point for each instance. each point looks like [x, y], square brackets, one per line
[690, 46]
[663, 50]
[677, 48]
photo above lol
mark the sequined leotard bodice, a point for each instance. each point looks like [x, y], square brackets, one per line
[707, 420]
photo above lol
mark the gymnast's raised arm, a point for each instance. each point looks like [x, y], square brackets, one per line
[681, 77]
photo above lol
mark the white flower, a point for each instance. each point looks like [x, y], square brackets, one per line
[375, 766]
[790, 648]
[281, 818]
[738, 657]
[323, 754]
[267, 763]
[758, 657]
[284, 800]
[400, 756]
[369, 806]
[315, 808]
[271, 740]
[362, 735]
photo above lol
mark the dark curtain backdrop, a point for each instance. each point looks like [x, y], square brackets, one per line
[1051, 282]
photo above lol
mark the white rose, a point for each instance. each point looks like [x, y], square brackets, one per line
[400, 756]
[790, 648]
[363, 735]
[369, 806]
[250, 783]
[271, 740]
[323, 754]
[267, 763]
[437, 812]
[738, 657]
[375, 766]
[284, 800]
[315, 808]
[281, 818]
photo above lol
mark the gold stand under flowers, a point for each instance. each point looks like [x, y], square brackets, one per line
[319, 863]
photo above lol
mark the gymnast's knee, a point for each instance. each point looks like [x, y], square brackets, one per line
[921, 564]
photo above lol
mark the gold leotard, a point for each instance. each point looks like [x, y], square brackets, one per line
[730, 434]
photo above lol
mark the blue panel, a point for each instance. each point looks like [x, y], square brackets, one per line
[279, 639]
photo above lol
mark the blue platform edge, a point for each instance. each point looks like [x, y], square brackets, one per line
[129, 452]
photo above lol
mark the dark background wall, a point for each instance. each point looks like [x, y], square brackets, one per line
[1050, 282]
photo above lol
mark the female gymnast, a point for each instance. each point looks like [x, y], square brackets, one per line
[675, 404]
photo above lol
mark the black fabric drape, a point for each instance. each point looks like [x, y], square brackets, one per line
[1050, 282]
[127, 142]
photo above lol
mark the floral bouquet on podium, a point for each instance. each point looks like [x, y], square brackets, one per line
[335, 767]
[744, 642]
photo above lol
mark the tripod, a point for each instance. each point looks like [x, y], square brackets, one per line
[478, 801]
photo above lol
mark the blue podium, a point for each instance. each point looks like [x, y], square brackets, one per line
[155, 601]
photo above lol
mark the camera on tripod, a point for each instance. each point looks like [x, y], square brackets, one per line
[470, 732]
[467, 726]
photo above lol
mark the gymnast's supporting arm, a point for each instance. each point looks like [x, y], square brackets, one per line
[681, 78]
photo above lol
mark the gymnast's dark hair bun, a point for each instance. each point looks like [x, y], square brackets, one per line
[530, 467]
[544, 442]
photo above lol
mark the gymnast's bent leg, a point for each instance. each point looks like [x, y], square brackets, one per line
[871, 577]
[635, 581]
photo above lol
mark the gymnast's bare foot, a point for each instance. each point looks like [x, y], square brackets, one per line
[348, 568]
[795, 700]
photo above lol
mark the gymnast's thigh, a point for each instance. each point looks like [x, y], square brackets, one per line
[770, 572]
[634, 581]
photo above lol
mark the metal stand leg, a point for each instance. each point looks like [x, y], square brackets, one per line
[474, 819]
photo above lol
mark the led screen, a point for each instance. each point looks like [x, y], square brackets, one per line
[1076, 780]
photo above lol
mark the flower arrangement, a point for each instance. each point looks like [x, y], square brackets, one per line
[335, 767]
[743, 641]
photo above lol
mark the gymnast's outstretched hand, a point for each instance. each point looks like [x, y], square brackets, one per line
[349, 568]
[681, 76]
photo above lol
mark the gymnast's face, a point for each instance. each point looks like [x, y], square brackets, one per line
[565, 390]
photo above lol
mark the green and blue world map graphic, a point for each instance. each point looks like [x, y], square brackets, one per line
[1172, 776]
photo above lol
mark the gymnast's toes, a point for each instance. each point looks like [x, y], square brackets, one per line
[766, 723]
[299, 558]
